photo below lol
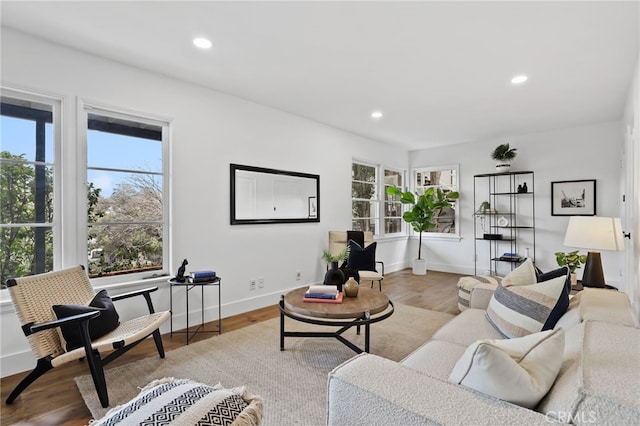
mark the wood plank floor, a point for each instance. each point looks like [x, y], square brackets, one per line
[54, 398]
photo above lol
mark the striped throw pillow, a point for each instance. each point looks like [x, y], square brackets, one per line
[516, 311]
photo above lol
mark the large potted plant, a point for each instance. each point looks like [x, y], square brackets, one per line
[503, 154]
[572, 260]
[422, 214]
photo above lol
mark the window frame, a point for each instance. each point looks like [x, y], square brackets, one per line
[403, 226]
[86, 107]
[376, 200]
[440, 235]
[380, 199]
[55, 102]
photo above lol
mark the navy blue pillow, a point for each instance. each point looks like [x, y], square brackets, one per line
[564, 271]
[107, 321]
[362, 259]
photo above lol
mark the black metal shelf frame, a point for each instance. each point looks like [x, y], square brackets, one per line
[503, 187]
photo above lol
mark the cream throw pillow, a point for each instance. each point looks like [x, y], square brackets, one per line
[523, 275]
[520, 371]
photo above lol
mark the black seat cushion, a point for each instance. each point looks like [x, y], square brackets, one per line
[362, 259]
[98, 327]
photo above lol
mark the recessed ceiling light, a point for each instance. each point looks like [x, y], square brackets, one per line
[376, 114]
[202, 43]
[519, 79]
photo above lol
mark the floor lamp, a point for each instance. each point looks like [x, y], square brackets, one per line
[594, 233]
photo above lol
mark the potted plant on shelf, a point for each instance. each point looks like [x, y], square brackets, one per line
[422, 214]
[334, 275]
[572, 260]
[503, 154]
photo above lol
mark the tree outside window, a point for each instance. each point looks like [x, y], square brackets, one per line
[26, 188]
[364, 199]
[125, 197]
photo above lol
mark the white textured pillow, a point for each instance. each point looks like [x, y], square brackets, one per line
[520, 371]
[523, 275]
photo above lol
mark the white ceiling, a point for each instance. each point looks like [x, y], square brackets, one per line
[440, 71]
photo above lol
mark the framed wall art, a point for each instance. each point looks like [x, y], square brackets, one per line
[313, 207]
[573, 198]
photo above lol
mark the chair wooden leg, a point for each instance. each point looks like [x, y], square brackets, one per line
[43, 365]
[97, 373]
[158, 339]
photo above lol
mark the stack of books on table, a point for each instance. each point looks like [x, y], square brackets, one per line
[511, 257]
[202, 276]
[323, 294]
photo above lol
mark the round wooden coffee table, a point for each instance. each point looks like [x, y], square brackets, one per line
[369, 307]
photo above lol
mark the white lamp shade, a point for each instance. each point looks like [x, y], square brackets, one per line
[594, 232]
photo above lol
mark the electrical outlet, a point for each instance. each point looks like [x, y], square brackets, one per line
[252, 284]
[298, 275]
[261, 282]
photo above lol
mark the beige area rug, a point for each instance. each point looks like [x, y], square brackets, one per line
[293, 383]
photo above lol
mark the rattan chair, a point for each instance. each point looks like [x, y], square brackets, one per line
[33, 296]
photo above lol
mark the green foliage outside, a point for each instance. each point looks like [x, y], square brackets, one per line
[363, 188]
[116, 245]
[18, 205]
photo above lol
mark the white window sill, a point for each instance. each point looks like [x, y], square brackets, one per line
[6, 304]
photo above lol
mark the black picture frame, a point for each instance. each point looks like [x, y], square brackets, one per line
[573, 198]
[313, 207]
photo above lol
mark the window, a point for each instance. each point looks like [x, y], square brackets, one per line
[126, 202]
[28, 124]
[364, 197]
[445, 178]
[392, 205]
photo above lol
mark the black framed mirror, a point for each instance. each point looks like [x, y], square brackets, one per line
[262, 195]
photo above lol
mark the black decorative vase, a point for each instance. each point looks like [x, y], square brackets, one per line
[334, 276]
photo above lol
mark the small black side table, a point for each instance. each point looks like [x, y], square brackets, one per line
[188, 286]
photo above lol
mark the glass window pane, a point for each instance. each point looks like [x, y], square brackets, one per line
[364, 209]
[114, 151]
[363, 225]
[118, 249]
[25, 251]
[26, 191]
[392, 225]
[365, 191]
[360, 172]
[18, 135]
[122, 185]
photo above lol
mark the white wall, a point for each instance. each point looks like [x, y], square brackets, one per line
[590, 152]
[631, 187]
[210, 130]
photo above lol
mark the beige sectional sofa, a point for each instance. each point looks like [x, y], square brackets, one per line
[598, 382]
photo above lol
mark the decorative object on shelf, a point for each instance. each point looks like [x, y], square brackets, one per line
[180, 275]
[423, 211]
[573, 198]
[488, 236]
[522, 189]
[503, 221]
[334, 275]
[503, 154]
[594, 233]
[572, 260]
[351, 288]
[511, 257]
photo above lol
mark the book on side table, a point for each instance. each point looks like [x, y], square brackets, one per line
[323, 294]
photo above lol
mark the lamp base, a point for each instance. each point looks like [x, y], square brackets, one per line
[593, 275]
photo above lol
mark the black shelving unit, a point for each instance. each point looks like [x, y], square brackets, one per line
[509, 225]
